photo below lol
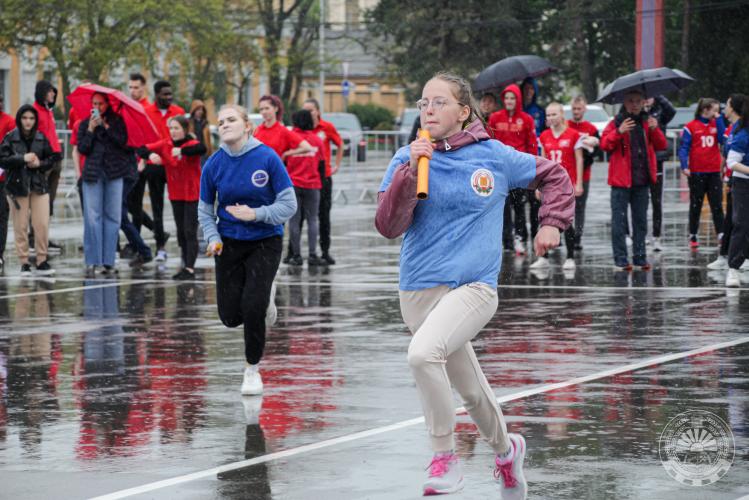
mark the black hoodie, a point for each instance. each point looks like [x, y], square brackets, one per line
[22, 179]
[40, 93]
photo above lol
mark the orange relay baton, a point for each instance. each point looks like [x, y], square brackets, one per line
[422, 171]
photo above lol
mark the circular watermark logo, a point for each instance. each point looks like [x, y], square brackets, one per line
[696, 448]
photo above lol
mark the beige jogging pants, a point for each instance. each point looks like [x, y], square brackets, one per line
[443, 321]
[37, 205]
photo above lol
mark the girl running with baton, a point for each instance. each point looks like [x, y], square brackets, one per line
[449, 263]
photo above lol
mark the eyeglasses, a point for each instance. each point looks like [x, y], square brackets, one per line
[437, 103]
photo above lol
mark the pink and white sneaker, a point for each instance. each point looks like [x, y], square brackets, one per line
[509, 473]
[445, 475]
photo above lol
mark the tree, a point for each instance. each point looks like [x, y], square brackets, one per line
[418, 39]
[302, 18]
[85, 38]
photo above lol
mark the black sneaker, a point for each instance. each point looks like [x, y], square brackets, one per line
[127, 252]
[90, 271]
[44, 269]
[287, 259]
[109, 271]
[184, 275]
[140, 260]
[328, 259]
[54, 248]
[296, 260]
[314, 260]
[2, 264]
[26, 270]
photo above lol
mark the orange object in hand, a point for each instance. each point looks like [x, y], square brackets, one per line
[216, 251]
[422, 171]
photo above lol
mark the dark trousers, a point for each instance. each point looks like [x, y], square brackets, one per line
[307, 207]
[727, 224]
[326, 202]
[699, 186]
[569, 241]
[740, 234]
[580, 202]
[507, 240]
[53, 180]
[244, 275]
[4, 214]
[155, 177]
[131, 232]
[656, 200]
[622, 200]
[186, 219]
[535, 207]
[135, 204]
[518, 198]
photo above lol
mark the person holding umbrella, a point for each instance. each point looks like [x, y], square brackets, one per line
[102, 138]
[631, 139]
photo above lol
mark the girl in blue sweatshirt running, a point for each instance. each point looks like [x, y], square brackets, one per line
[449, 263]
[245, 198]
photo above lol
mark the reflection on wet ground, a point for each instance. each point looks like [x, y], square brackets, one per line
[112, 384]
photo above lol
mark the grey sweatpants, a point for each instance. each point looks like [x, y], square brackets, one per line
[443, 321]
[307, 203]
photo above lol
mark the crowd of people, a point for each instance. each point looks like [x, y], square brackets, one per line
[711, 151]
[113, 175]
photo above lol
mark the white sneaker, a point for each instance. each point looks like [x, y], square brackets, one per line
[512, 483]
[657, 247]
[541, 263]
[271, 314]
[519, 246]
[569, 265]
[252, 384]
[445, 475]
[745, 265]
[733, 279]
[161, 256]
[629, 240]
[720, 263]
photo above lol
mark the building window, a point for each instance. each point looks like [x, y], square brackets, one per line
[352, 14]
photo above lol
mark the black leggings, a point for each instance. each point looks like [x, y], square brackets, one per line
[699, 185]
[569, 241]
[186, 219]
[727, 224]
[323, 215]
[244, 275]
[656, 199]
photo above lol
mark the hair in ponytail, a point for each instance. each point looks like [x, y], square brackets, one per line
[463, 94]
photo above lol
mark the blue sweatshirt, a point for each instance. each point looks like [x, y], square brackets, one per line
[455, 237]
[253, 176]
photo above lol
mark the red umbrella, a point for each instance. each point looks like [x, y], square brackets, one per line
[140, 128]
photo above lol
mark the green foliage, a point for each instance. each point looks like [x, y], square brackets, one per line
[372, 116]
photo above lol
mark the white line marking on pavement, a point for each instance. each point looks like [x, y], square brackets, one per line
[407, 423]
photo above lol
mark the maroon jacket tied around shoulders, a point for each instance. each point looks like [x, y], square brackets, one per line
[396, 205]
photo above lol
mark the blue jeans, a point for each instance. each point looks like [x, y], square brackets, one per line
[621, 200]
[101, 220]
[132, 234]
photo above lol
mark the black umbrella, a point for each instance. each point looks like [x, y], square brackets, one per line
[651, 82]
[510, 70]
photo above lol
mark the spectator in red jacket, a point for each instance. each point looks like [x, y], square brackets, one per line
[631, 138]
[136, 86]
[179, 155]
[328, 134]
[514, 128]
[45, 96]
[304, 170]
[154, 175]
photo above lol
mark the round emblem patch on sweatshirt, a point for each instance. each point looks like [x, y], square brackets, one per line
[482, 182]
[260, 178]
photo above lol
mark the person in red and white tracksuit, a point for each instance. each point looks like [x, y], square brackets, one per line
[515, 128]
[699, 154]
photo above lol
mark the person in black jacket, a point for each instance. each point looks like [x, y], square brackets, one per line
[662, 110]
[102, 138]
[27, 156]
